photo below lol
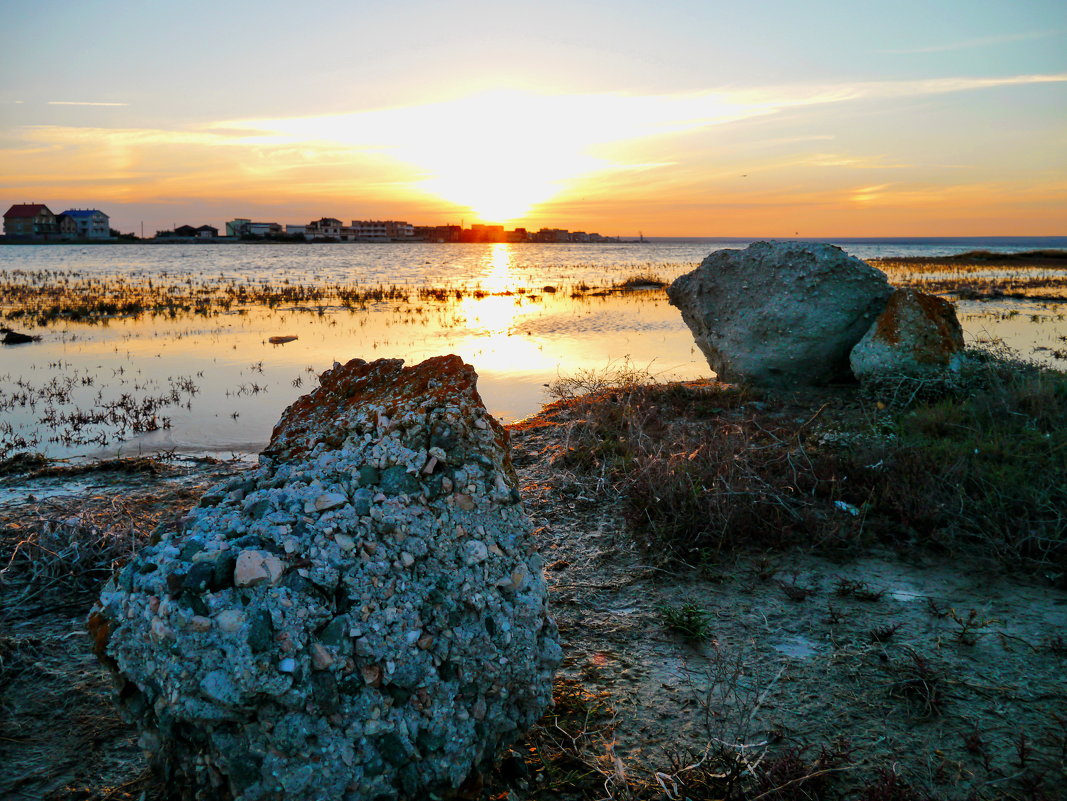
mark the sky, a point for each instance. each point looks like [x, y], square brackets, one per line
[668, 118]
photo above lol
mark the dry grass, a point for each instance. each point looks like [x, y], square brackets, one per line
[980, 275]
[979, 459]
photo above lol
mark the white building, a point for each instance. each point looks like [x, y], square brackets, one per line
[92, 223]
[381, 230]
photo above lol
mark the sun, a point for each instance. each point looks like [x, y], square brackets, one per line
[498, 154]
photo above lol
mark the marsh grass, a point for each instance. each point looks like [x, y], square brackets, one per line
[644, 280]
[980, 275]
[975, 463]
[55, 554]
[45, 297]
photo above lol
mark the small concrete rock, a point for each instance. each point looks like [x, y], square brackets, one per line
[360, 644]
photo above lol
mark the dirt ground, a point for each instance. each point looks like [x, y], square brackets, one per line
[947, 674]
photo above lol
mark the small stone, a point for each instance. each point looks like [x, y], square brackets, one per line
[406, 559]
[257, 567]
[325, 502]
[199, 577]
[217, 686]
[260, 631]
[320, 657]
[230, 620]
[160, 630]
[287, 665]
[200, 623]
[474, 552]
[425, 641]
[398, 481]
[344, 542]
[335, 631]
[464, 501]
[372, 674]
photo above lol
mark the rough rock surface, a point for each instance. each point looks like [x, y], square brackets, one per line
[361, 617]
[779, 314]
[915, 334]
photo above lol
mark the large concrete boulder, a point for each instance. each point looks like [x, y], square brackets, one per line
[780, 314]
[916, 334]
[360, 617]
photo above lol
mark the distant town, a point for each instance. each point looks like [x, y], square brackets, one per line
[35, 222]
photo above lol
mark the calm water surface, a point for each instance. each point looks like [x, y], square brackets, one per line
[219, 385]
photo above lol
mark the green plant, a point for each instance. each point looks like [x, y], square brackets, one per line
[970, 626]
[688, 620]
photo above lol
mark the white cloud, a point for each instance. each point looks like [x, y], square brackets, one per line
[81, 103]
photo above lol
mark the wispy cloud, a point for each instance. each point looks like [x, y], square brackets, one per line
[854, 162]
[82, 103]
[868, 193]
[986, 41]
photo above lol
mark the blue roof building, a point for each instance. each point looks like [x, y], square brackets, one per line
[92, 223]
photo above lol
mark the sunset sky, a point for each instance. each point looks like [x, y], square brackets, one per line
[767, 118]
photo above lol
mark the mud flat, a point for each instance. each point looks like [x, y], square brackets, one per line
[793, 596]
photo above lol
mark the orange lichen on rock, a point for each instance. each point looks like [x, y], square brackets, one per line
[319, 416]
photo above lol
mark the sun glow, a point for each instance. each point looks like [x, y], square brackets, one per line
[497, 155]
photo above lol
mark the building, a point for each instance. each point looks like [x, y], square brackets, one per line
[296, 230]
[236, 227]
[380, 231]
[324, 227]
[438, 233]
[92, 223]
[207, 232]
[68, 226]
[30, 221]
[245, 227]
[483, 233]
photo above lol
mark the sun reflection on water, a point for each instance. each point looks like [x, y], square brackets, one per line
[498, 276]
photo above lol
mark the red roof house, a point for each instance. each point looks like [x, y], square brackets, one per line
[30, 221]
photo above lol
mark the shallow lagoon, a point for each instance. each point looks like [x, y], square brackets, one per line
[214, 383]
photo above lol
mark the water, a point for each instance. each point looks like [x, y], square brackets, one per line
[526, 264]
[217, 385]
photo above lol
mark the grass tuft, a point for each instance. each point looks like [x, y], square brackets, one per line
[688, 620]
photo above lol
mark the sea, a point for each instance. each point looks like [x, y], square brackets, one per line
[525, 315]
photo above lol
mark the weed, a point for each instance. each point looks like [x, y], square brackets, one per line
[646, 280]
[795, 592]
[833, 616]
[687, 620]
[891, 786]
[561, 751]
[884, 633]
[919, 683]
[934, 609]
[969, 627]
[860, 590]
